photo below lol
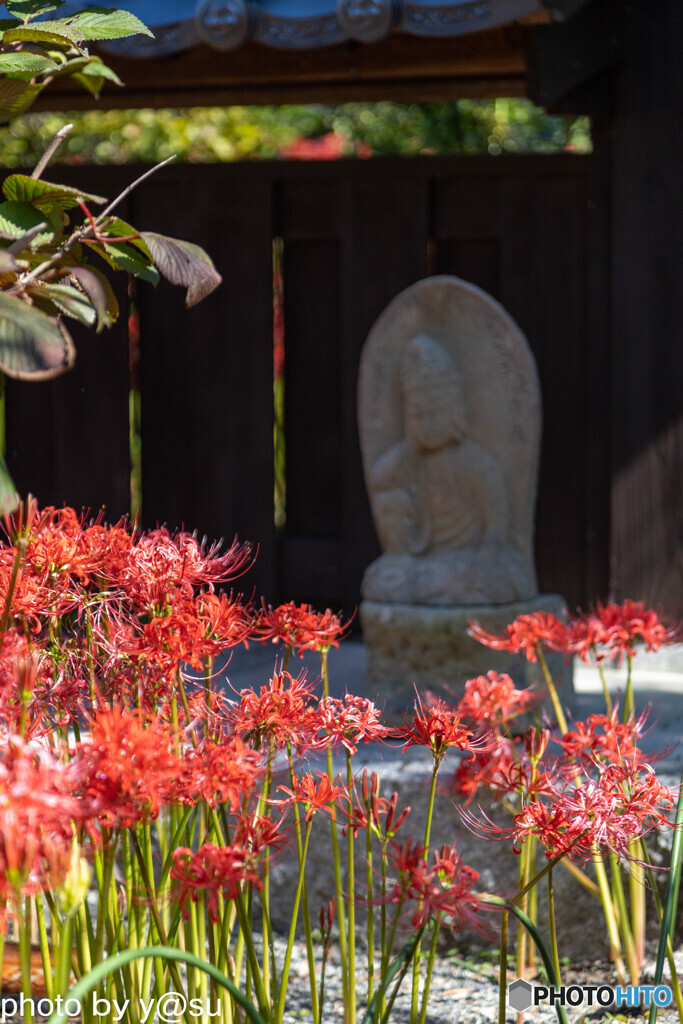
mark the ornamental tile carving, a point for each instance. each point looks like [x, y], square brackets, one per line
[300, 32]
[302, 24]
[441, 20]
[223, 24]
[366, 20]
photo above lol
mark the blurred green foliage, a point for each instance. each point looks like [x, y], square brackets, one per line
[213, 134]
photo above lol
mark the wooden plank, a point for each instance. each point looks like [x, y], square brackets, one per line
[542, 253]
[384, 250]
[563, 56]
[207, 373]
[488, 63]
[312, 390]
[67, 439]
[647, 311]
[467, 206]
[473, 259]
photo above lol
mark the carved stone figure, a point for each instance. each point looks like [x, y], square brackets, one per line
[450, 420]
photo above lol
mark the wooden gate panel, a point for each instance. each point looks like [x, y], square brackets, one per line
[543, 238]
[385, 234]
[207, 373]
[67, 439]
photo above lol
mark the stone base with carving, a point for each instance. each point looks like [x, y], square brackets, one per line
[411, 645]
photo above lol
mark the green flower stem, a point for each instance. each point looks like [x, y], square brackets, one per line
[430, 970]
[533, 931]
[384, 960]
[254, 971]
[4, 622]
[264, 809]
[610, 917]
[603, 681]
[552, 690]
[553, 929]
[525, 874]
[338, 890]
[284, 977]
[667, 916]
[113, 963]
[503, 967]
[370, 925]
[154, 910]
[351, 886]
[310, 951]
[399, 966]
[105, 878]
[44, 943]
[629, 704]
[64, 962]
[24, 917]
[427, 833]
[624, 922]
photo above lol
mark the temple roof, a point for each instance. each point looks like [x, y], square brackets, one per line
[311, 24]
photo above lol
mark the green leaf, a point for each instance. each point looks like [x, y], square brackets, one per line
[26, 9]
[15, 97]
[122, 256]
[183, 263]
[32, 345]
[95, 68]
[19, 62]
[99, 291]
[105, 23]
[91, 85]
[45, 195]
[9, 498]
[18, 218]
[121, 229]
[49, 32]
[71, 302]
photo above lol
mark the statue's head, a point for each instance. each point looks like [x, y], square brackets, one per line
[432, 396]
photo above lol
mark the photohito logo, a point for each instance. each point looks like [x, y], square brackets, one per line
[522, 995]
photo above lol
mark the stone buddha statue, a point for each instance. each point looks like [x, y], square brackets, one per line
[439, 500]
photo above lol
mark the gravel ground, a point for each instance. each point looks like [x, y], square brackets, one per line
[462, 992]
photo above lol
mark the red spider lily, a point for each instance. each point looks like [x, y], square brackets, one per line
[371, 807]
[132, 771]
[38, 811]
[217, 772]
[214, 870]
[226, 621]
[524, 634]
[604, 738]
[438, 727]
[300, 627]
[350, 721]
[637, 787]
[585, 817]
[257, 833]
[442, 890]
[613, 630]
[160, 563]
[493, 698]
[281, 713]
[314, 792]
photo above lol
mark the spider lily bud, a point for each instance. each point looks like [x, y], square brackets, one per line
[73, 889]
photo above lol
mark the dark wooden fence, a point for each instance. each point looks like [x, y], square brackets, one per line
[530, 230]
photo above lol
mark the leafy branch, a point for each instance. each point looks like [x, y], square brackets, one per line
[46, 268]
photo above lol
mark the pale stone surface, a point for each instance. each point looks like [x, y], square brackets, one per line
[410, 646]
[449, 419]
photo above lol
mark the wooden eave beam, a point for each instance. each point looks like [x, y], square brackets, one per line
[402, 68]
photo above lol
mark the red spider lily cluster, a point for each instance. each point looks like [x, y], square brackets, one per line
[115, 719]
[610, 631]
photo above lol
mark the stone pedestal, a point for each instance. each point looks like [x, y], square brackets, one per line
[428, 647]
